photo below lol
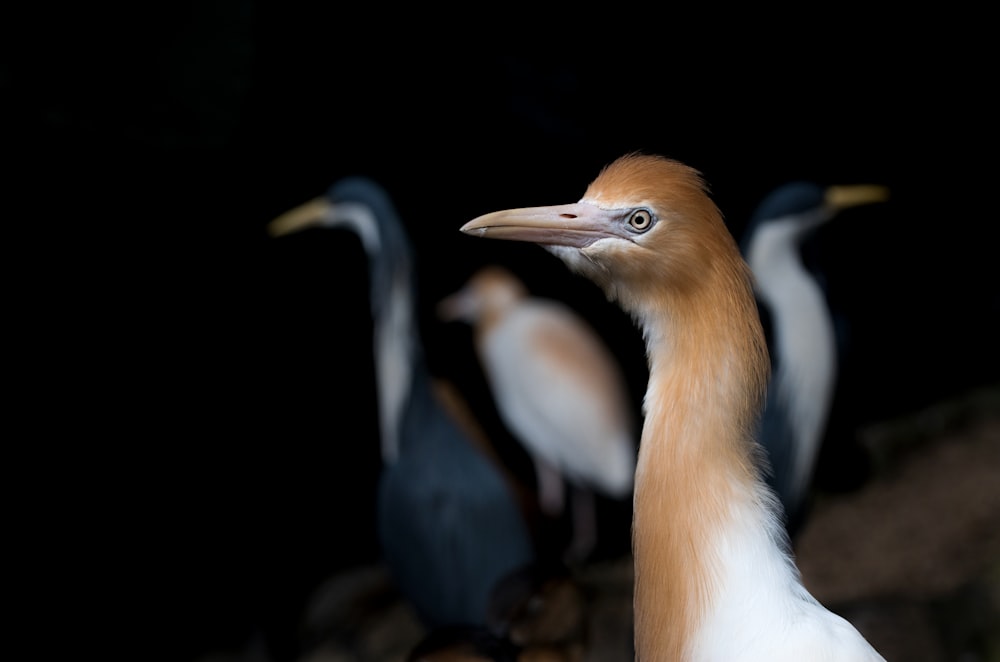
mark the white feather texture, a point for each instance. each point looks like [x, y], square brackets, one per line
[575, 422]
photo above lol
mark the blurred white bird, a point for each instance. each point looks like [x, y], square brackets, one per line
[558, 389]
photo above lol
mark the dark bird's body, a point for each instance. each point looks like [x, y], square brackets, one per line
[449, 524]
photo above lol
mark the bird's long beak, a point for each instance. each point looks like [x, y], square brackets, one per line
[577, 225]
[310, 214]
[843, 197]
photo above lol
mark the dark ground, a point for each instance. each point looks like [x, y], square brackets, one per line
[912, 559]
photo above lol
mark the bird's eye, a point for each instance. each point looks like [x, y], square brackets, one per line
[641, 220]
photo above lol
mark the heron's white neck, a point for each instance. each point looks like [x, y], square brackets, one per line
[395, 330]
[806, 347]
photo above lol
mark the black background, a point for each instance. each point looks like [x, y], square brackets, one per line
[212, 387]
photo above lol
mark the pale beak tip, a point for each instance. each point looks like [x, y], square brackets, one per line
[471, 227]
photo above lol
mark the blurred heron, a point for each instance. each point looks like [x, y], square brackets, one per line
[802, 343]
[449, 523]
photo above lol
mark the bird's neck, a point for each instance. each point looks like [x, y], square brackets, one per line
[698, 493]
[396, 355]
[805, 345]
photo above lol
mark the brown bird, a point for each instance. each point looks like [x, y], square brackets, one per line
[715, 578]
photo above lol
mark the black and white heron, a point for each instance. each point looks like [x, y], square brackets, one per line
[449, 522]
[715, 578]
[560, 391]
[802, 343]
